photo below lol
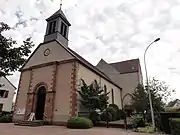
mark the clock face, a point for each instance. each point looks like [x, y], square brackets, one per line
[47, 52]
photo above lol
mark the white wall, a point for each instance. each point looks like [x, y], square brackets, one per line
[7, 102]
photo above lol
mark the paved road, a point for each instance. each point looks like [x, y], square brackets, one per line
[10, 129]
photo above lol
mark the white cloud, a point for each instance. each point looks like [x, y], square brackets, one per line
[116, 30]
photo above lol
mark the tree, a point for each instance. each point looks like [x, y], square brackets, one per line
[139, 99]
[160, 92]
[12, 55]
[93, 96]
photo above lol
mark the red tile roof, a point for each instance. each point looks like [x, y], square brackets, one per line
[128, 66]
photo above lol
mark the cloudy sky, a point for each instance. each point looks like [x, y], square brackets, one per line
[114, 30]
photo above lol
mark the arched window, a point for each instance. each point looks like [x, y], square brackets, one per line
[105, 89]
[52, 27]
[95, 81]
[63, 29]
[112, 94]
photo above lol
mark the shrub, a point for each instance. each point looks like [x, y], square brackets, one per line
[113, 113]
[138, 120]
[94, 117]
[118, 112]
[47, 123]
[118, 115]
[114, 106]
[5, 119]
[128, 109]
[106, 116]
[175, 126]
[147, 129]
[5, 113]
[172, 109]
[79, 123]
[164, 119]
[122, 114]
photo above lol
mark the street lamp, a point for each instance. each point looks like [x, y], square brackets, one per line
[149, 93]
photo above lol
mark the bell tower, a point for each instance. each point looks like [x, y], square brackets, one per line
[57, 28]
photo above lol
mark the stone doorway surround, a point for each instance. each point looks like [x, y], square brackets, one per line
[32, 101]
[40, 104]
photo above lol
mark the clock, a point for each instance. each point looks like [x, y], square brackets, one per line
[46, 52]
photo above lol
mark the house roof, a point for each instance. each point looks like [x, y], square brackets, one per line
[174, 103]
[59, 13]
[109, 70]
[9, 82]
[128, 66]
[89, 65]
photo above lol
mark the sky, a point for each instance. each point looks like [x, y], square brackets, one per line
[114, 30]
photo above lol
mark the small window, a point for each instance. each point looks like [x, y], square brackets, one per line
[105, 89]
[95, 81]
[1, 107]
[63, 29]
[112, 92]
[2, 93]
[6, 94]
[52, 27]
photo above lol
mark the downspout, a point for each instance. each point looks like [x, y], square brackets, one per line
[121, 98]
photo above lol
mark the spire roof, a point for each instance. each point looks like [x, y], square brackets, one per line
[59, 13]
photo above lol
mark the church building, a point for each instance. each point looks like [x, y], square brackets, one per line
[51, 76]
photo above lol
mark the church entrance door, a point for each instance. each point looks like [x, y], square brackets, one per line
[40, 104]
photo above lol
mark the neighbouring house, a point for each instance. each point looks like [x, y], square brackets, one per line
[51, 76]
[175, 103]
[7, 91]
[127, 74]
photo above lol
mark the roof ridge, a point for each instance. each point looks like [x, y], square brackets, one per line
[128, 66]
[125, 61]
[10, 82]
[81, 59]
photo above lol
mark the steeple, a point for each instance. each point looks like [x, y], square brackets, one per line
[57, 28]
[61, 4]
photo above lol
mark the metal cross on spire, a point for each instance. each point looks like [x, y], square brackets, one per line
[60, 4]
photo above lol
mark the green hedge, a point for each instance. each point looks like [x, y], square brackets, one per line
[172, 109]
[118, 111]
[164, 120]
[106, 116]
[94, 117]
[147, 129]
[79, 123]
[138, 120]
[113, 113]
[6, 119]
[114, 106]
[175, 126]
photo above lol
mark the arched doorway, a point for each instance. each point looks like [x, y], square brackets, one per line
[40, 104]
[126, 102]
